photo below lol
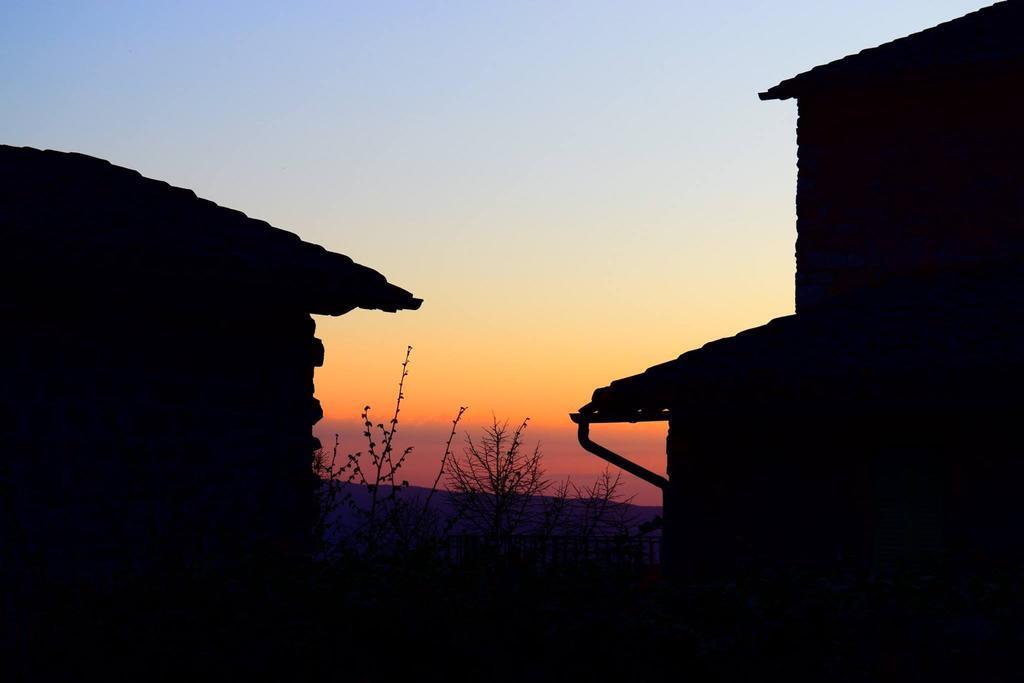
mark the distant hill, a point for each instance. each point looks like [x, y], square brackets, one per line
[443, 508]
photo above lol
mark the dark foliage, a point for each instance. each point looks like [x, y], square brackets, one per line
[497, 490]
[350, 621]
[393, 521]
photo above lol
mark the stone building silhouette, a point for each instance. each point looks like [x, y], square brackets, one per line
[876, 427]
[157, 358]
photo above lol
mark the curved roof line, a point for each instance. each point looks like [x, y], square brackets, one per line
[111, 226]
[981, 40]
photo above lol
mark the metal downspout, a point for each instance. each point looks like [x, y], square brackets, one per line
[583, 434]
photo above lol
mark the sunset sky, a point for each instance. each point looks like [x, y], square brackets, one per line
[577, 190]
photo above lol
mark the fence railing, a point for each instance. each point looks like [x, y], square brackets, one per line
[549, 550]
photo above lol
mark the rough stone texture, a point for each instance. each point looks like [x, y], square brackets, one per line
[894, 182]
[139, 442]
[873, 433]
[876, 428]
[872, 491]
[157, 362]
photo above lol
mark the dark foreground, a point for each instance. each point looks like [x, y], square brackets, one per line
[355, 621]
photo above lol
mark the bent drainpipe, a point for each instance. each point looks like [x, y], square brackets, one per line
[583, 434]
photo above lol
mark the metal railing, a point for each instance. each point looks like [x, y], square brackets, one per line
[556, 550]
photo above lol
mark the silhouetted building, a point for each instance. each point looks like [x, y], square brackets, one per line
[157, 362]
[876, 427]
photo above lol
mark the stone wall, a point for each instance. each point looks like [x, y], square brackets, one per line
[863, 491]
[909, 179]
[141, 440]
[746, 497]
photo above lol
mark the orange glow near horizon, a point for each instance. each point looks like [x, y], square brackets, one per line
[512, 371]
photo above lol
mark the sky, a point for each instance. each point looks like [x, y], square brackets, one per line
[577, 190]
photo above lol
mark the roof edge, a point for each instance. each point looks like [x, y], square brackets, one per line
[813, 78]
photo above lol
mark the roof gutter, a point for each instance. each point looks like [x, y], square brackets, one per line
[583, 434]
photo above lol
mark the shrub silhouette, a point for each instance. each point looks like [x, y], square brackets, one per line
[394, 521]
[496, 489]
[496, 481]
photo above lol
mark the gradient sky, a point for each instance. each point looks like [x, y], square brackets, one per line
[578, 190]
